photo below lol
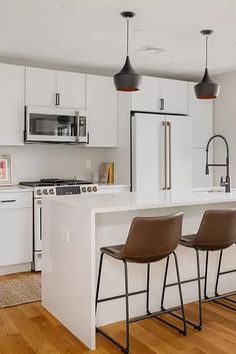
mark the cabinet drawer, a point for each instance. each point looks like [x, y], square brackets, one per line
[15, 200]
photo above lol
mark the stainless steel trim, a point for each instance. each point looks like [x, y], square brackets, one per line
[165, 155]
[170, 166]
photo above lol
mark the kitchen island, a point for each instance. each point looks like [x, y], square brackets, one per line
[75, 227]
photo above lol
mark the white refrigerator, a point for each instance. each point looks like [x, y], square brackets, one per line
[161, 152]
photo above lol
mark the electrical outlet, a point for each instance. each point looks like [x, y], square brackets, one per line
[88, 163]
[65, 235]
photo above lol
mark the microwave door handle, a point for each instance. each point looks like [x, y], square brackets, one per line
[77, 127]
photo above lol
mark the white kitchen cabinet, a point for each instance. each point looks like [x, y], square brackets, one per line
[174, 94]
[11, 104]
[101, 111]
[40, 87]
[71, 87]
[55, 88]
[148, 97]
[161, 95]
[16, 239]
[201, 112]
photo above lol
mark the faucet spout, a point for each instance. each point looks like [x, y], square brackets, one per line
[223, 183]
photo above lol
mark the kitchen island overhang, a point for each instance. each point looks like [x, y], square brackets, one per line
[76, 227]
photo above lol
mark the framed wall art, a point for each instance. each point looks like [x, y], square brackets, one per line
[6, 170]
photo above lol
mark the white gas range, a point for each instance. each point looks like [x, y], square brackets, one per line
[51, 187]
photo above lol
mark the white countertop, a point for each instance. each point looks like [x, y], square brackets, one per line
[14, 189]
[106, 203]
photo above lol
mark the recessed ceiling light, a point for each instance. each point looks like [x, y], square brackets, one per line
[151, 48]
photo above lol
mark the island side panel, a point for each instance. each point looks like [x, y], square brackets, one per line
[112, 228]
[68, 268]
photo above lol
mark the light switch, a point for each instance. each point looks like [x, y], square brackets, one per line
[65, 235]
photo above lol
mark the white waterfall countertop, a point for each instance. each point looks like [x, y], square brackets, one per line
[115, 202]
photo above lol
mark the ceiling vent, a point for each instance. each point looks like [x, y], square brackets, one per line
[151, 48]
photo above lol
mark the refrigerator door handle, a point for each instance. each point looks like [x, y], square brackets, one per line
[169, 155]
[165, 156]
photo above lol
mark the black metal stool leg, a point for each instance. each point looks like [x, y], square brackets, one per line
[126, 350]
[206, 274]
[218, 273]
[164, 283]
[199, 326]
[148, 286]
[180, 294]
[99, 279]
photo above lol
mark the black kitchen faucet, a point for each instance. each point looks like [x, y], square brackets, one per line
[223, 183]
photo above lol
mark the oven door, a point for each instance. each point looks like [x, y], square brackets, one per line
[45, 124]
[38, 225]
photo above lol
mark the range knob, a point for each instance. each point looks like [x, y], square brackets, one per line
[51, 191]
[45, 191]
[39, 192]
[89, 189]
[84, 189]
[95, 189]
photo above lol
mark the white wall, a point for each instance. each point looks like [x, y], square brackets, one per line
[225, 124]
[34, 161]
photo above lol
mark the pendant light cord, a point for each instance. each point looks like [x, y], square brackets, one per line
[127, 48]
[206, 50]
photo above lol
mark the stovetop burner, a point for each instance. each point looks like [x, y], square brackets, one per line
[50, 182]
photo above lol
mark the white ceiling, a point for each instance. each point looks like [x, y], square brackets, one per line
[90, 35]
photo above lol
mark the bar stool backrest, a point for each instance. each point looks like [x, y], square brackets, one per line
[217, 230]
[152, 238]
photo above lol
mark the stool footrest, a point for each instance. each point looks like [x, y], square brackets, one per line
[227, 271]
[121, 296]
[184, 282]
[153, 314]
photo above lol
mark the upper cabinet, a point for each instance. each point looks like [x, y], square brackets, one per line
[101, 111]
[201, 112]
[161, 95]
[11, 104]
[55, 88]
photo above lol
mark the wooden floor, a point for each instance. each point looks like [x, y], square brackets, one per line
[30, 329]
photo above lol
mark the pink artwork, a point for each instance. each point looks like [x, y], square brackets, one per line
[3, 170]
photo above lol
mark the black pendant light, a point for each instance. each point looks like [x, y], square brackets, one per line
[127, 79]
[206, 88]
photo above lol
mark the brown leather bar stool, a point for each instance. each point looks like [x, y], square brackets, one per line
[217, 231]
[150, 239]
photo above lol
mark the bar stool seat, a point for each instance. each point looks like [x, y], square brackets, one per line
[113, 251]
[150, 239]
[187, 240]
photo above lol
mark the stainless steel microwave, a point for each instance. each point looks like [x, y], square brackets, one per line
[55, 125]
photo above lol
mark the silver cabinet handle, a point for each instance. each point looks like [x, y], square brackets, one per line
[162, 104]
[165, 155]
[57, 99]
[170, 166]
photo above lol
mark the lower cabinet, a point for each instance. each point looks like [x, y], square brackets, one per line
[16, 237]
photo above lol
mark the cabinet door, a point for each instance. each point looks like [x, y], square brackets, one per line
[11, 104]
[180, 147]
[201, 112]
[148, 153]
[16, 240]
[71, 87]
[101, 111]
[175, 95]
[147, 98]
[40, 87]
